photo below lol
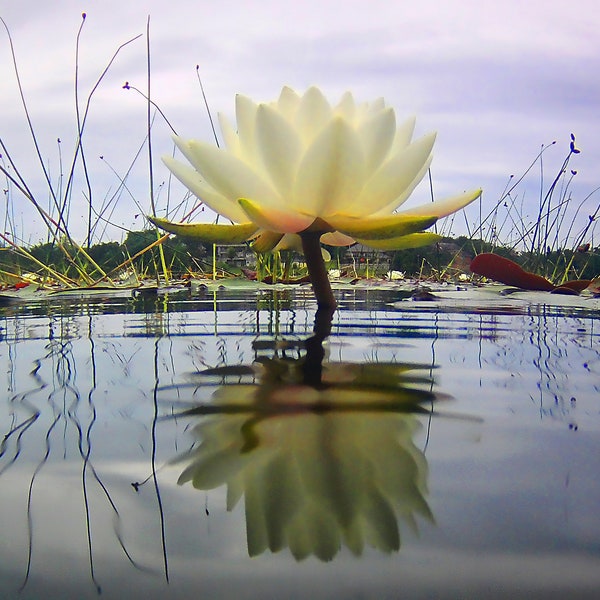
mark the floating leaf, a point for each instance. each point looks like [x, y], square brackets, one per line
[509, 272]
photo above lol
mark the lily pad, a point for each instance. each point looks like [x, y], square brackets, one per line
[506, 271]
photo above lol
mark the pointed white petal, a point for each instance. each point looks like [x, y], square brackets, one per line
[213, 199]
[279, 146]
[395, 180]
[443, 208]
[346, 107]
[235, 491]
[313, 114]
[396, 202]
[404, 133]
[290, 241]
[377, 135]
[229, 175]
[230, 137]
[363, 112]
[381, 524]
[288, 103]
[256, 522]
[331, 173]
[245, 112]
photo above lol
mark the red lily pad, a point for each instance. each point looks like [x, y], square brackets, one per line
[506, 271]
[577, 285]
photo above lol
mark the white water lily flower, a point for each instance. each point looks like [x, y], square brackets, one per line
[300, 165]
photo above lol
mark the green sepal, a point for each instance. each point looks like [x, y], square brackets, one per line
[208, 232]
[381, 228]
[412, 240]
[266, 241]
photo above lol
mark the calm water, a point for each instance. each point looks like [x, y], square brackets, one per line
[194, 446]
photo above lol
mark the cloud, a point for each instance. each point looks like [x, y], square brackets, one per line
[496, 80]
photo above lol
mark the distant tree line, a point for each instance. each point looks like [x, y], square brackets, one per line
[182, 256]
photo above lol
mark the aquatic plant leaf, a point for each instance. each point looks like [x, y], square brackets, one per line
[509, 272]
[506, 271]
[576, 285]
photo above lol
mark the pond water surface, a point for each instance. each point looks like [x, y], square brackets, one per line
[186, 446]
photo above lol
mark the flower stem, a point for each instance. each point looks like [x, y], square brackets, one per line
[316, 269]
[312, 368]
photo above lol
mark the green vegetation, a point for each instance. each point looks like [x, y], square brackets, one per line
[138, 258]
[544, 242]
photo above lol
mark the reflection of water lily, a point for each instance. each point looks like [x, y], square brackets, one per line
[300, 166]
[319, 467]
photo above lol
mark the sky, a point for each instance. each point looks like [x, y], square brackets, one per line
[497, 80]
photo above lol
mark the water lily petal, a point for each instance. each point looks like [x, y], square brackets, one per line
[443, 208]
[290, 241]
[288, 103]
[395, 180]
[245, 112]
[412, 240]
[404, 134]
[377, 135]
[312, 115]
[256, 521]
[346, 107]
[235, 491]
[354, 538]
[394, 204]
[275, 219]
[282, 498]
[279, 146]
[208, 232]
[230, 137]
[381, 524]
[229, 175]
[266, 241]
[331, 171]
[213, 199]
[381, 228]
[335, 238]
[314, 531]
[212, 469]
